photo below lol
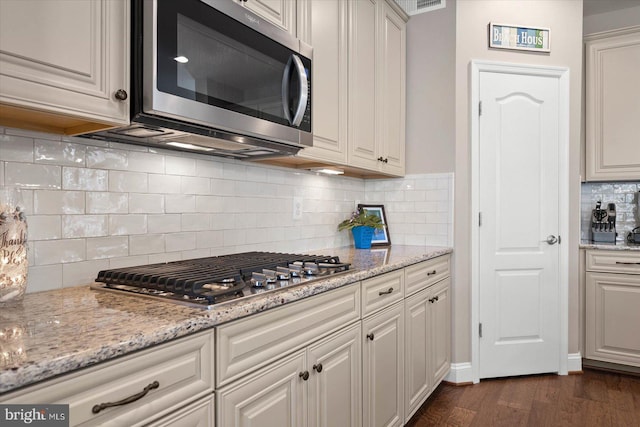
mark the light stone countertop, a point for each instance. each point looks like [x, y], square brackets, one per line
[56, 332]
[618, 246]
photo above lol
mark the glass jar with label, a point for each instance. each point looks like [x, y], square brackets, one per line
[13, 246]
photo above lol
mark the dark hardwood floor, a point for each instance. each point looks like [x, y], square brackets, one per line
[594, 398]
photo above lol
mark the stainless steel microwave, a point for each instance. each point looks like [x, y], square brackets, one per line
[210, 76]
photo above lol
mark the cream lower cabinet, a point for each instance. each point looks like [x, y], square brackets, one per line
[383, 367]
[177, 377]
[315, 386]
[64, 65]
[613, 306]
[428, 331]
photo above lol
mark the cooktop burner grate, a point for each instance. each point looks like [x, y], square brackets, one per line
[206, 281]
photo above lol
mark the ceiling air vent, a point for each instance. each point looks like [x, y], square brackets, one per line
[413, 7]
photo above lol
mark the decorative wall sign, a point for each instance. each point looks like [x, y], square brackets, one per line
[502, 36]
[381, 236]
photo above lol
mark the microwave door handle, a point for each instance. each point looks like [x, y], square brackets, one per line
[286, 77]
[294, 60]
[302, 101]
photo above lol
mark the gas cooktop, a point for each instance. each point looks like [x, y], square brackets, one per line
[205, 282]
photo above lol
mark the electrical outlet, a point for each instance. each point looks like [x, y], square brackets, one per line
[355, 205]
[297, 207]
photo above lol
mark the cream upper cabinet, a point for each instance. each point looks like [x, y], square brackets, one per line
[279, 12]
[64, 65]
[377, 49]
[613, 105]
[323, 25]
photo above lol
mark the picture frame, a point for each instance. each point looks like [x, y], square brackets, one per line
[380, 237]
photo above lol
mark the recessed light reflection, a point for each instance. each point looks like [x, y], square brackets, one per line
[181, 59]
[189, 146]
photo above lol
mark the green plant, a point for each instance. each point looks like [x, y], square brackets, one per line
[361, 218]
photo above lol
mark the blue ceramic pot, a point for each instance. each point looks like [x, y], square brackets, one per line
[362, 236]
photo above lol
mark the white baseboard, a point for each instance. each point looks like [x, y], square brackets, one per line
[460, 373]
[574, 362]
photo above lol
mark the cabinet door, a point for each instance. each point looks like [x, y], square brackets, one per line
[383, 368]
[272, 397]
[363, 87]
[282, 13]
[392, 117]
[198, 414]
[440, 324]
[335, 386]
[613, 106]
[323, 25]
[418, 376]
[612, 318]
[64, 57]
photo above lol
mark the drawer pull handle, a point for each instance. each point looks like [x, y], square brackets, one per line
[431, 273]
[627, 263]
[318, 367]
[304, 375]
[370, 336]
[388, 291]
[434, 299]
[130, 399]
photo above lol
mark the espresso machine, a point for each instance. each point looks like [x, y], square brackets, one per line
[603, 223]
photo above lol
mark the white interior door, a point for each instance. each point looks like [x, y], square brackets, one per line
[519, 205]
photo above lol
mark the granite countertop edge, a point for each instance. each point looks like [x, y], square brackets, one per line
[618, 246]
[58, 332]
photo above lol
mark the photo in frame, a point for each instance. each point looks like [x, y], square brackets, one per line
[380, 237]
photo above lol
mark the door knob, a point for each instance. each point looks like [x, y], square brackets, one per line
[551, 240]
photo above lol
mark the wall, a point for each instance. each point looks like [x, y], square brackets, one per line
[94, 205]
[620, 18]
[564, 17]
[430, 129]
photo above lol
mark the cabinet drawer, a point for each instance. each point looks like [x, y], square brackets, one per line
[424, 274]
[183, 370]
[382, 291]
[614, 261]
[247, 344]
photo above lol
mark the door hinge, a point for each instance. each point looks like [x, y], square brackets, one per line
[480, 108]
[480, 330]
[479, 219]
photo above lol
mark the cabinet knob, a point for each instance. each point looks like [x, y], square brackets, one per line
[388, 291]
[304, 375]
[121, 95]
[383, 159]
[318, 367]
[431, 273]
[370, 336]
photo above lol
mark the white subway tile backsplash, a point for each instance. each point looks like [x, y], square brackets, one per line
[146, 203]
[107, 247]
[33, 176]
[98, 204]
[84, 179]
[16, 149]
[195, 185]
[164, 184]
[107, 203]
[180, 203]
[44, 277]
[59, 251]
[44, 227]
[121, 225]
[146, 244]
[128, 182]
[81, 273]
[164, 223]
[74, 226]
[47, 202]
[180, 166]
[59, 153]
[2, 173]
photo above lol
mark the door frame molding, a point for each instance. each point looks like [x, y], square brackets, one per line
[562, 74]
